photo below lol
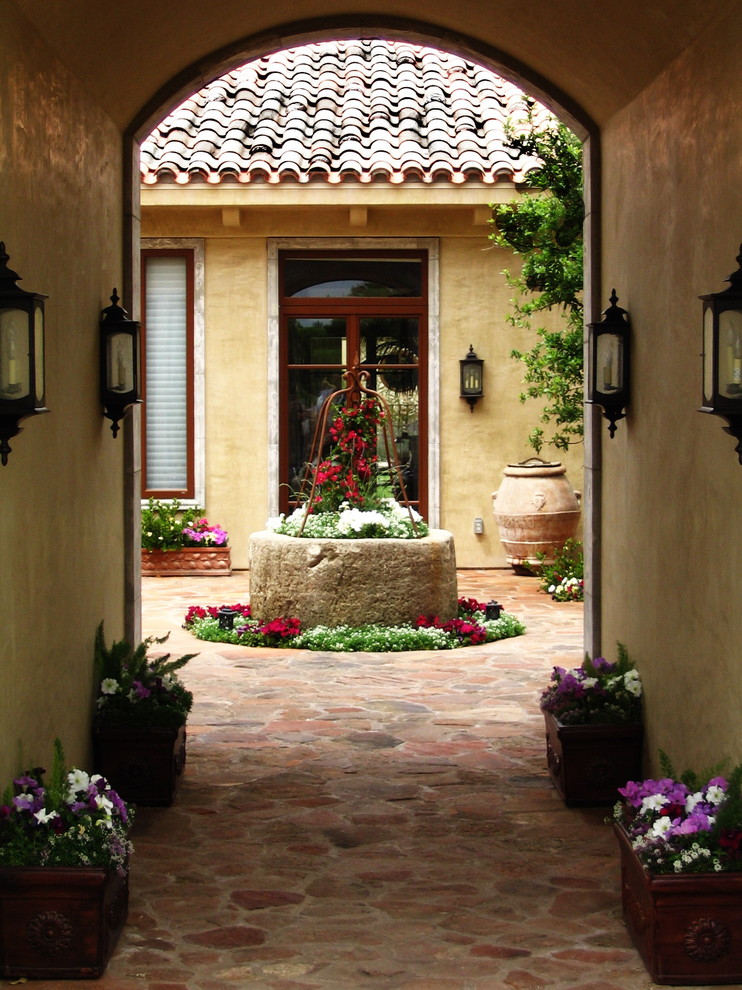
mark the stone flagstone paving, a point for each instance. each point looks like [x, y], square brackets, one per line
[362, 821]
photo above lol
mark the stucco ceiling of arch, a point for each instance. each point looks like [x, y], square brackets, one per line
[599, 54]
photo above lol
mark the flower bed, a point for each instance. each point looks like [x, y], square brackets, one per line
[469, 628]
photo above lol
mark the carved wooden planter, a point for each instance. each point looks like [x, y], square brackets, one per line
[588, 763]
[145, 766]
[687, 927]
[59, 922]
[187, 562]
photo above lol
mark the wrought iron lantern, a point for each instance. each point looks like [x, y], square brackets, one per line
[492, 610]
[119, 362]
[21, 354]
[609, 363]
[227, 616]
[722, 354]
[471, 370]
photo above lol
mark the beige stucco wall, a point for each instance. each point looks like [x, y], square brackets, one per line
[474, 298]
[672, 485]
[61, 491]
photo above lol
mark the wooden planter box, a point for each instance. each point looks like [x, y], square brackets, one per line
[145, 766]
[59, 922]
[588, 763]
[687, 927]
[187, 562]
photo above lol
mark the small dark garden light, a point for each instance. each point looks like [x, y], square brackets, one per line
[119, 362]
[472, 378]
[226, 617]
[492, 611]
[722, 354]
[608, 372]
[21, 354]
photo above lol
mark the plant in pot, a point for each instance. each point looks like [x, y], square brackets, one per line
[64, 864]
[680, 839]
[139, 727]
[181, 541]
[594, 730]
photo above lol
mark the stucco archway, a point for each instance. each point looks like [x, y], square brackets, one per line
[293, 34]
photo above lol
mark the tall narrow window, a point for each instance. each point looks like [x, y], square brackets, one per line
[339, 310]
[167, 322]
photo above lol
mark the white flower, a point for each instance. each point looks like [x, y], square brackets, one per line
[43, 816]
[109, 685]
[692, 800]
[275, 522]
[552, 589]
[651, 802]
[78, 781]
[661, 826]
[632, 682]
[714, 794]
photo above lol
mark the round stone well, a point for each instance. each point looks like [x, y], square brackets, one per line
[334, 582]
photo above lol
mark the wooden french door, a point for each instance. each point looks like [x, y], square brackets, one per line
[339, 309]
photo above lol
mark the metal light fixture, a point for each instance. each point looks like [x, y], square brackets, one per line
[492, 611]
[227, 616]
[722, 354]
[608, 372]
[471, 369]
[21, 354]
[119, 362]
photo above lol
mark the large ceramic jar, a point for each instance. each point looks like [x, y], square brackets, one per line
[536, 510]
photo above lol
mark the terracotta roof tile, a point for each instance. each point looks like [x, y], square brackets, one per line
[365, 111]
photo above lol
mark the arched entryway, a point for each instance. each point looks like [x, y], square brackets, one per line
[250, 47]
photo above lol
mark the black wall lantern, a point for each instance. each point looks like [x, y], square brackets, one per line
[722, 354]
[472, 378]
[21, 354]
[608, 372]
[119, 362]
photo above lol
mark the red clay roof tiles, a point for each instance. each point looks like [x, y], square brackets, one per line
[367, 111]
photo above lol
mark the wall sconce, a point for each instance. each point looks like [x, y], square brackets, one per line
[119, 362]
[608, 373]
[21, 354]
[722, 354]
[471, 369]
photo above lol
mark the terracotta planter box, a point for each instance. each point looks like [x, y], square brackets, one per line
[59, 922]
[187, 562]
[687, 927]
[145, 766]
[588, 763]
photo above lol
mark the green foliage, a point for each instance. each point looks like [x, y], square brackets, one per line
[693, 780]
[369, 638]
[558, 578]
[136, 690]
[545, 230]
[163, 524]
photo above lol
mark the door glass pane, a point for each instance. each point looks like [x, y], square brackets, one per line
[404, 406]
[341, 278]
[317, 340]
[307, 393]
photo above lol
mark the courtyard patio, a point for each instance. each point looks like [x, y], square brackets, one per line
[359, 821]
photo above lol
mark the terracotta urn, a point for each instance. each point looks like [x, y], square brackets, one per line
[536, 510]
[187, 562]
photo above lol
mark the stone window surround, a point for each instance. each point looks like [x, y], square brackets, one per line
[429, 244]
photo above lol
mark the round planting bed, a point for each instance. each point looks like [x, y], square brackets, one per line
[352, 582]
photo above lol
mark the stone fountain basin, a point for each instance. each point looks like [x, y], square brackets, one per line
[352, 582]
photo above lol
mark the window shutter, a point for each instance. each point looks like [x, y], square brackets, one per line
[166, 371]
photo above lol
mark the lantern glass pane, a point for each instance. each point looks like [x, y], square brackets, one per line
[120, 363]
[730, 354]
[708, 355]
[38, 333]
[14, 351]
[471, 378]
[609, 363]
